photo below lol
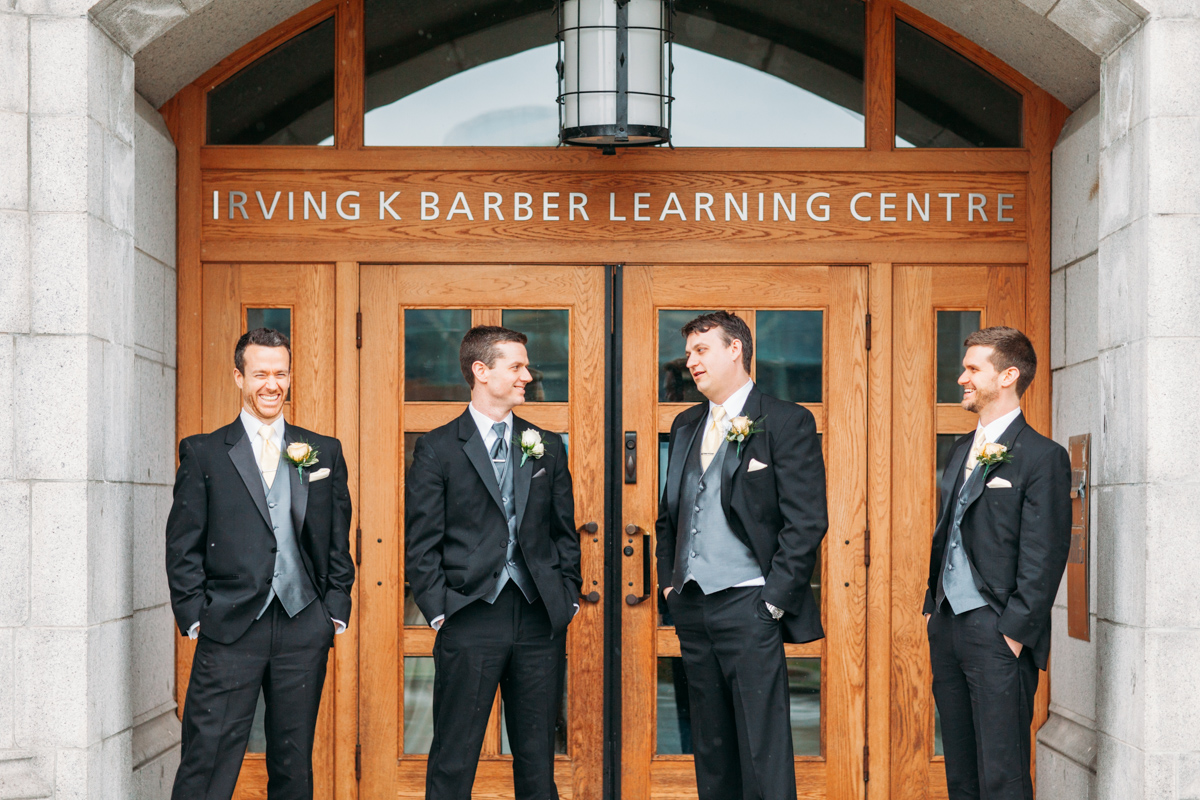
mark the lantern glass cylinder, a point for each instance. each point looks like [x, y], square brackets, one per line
[605, 99]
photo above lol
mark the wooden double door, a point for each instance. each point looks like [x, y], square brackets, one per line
[871, 350]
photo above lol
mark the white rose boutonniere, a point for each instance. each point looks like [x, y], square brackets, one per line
[301, 455]
[532, 445]
[741, 429]
[991, 455]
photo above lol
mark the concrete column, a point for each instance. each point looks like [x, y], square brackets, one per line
[86, 414]
[1148, 335]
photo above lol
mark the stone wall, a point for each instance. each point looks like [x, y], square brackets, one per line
[86, 413]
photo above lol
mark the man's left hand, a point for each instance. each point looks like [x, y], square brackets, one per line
[1014, 645]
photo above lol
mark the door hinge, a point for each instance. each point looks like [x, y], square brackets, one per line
[868, 331]
[866, 547]
[358, 547]
[866, 763]
[358, 762]
[358, 331]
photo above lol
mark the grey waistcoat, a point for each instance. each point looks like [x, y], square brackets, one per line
[515, 568]
[290, 582]
[958, 584]
[706, 548]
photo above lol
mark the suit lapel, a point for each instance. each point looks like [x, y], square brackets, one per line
[522, 475]
[242, 456]
[299, 485]
[729, 467]
[954, 468]
[975, 490]
[684, 442]
[478, 456]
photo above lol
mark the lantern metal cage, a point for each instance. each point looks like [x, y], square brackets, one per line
[615, 65]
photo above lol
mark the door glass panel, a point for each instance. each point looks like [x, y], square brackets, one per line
[412, 614]
[674, 719]
[788, 352]
[945, 100]
[675, 384]
[418, 703]
[285, 97]
[804, 689]
[549, 350]
[277, 319]
[560, 723]
[432, 337]
[953, 327]
[258, 729]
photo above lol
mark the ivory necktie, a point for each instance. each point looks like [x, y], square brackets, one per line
[976, 448]
[269, 460]
[712, 438]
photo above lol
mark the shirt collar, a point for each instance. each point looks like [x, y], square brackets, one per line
[733, 406]
[253, 423]
[997, 427]
[484, 423]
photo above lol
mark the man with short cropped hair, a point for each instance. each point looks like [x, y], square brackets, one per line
[999, 551]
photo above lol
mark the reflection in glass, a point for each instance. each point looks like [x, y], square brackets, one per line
[418, 703]
[457, 73]
[945, 444]
[804, 687]
[789, 354]
[285, 97]
[549, 350]
[560, 721]
[258, 729]
[277, 319]
[953, 327]
[674, 714]
[945, 100]
[431, 340]
[675, 384]
[412, 614]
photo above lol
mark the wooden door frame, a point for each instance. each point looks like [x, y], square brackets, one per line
[1043, 120]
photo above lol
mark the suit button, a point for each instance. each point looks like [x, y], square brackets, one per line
[274, 549]
[504, 543]
[269, 581]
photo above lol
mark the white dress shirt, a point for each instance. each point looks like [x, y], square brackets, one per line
[996, 428]
[733, 408]
[253, 427]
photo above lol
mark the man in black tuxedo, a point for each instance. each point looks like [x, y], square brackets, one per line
[493, 560]
[738, 527]
[999, 551]
[259, 568]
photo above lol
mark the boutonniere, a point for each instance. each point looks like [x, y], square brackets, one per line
[993, 454]
[531, 445]
[741, 429]
[301, 455]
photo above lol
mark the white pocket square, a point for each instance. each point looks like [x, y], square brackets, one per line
[319, 475]
[755, 465]
[998, 483]
[540, 473]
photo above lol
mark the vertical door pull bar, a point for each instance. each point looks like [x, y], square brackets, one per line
[631, 531]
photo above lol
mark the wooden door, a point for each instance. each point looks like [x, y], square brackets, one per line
[413, 319]
[810, 347]
[297, 299]
[934, 308]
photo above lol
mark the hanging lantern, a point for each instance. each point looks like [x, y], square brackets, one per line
[614, 72]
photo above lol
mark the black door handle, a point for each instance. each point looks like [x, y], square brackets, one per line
[632, 530]
[631, 456]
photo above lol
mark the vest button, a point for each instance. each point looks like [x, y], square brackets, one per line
[693, 554]
[272, 505]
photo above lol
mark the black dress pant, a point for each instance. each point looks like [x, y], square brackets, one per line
[285, 657]
[985, 697]
[738, 692]
[506, 644]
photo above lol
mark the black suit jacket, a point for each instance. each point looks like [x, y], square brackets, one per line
[779, 512]
[1016, 538]
[220, 542]
[456, 532]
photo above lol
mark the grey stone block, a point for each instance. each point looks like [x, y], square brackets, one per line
[134, 25]
[14, 275]
[1121, 683]
[116, 761]
[149, 548]
[110, 270]
[1082, 308]
[1170, 428]
[170, 303]
[14, 161]
[50, 430]
[149, 297]
[7, 690]
[119, 407]
[1077, 405]
[1066, 760]
[1076, 197]
[59, 273]
[1172, 59]
[1119, 536]
[14, 555]
[119, 183]
[1174, 175]
[1172, 275]
[155, 447]
[7, 409]
[58, 149]
[1171, 510]
[14, 62]
[1072, 671]
[1123, 103]
[1172, 684]
[1124, 179]
[1125, 411]
[1123, 285]
[109, 670]
[110, 552]
[58, 79]
[1058, 320]
[154, 666]
[52, 706]
[154, 156]
[1099, 25]
[59, 575]
[153, 780]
